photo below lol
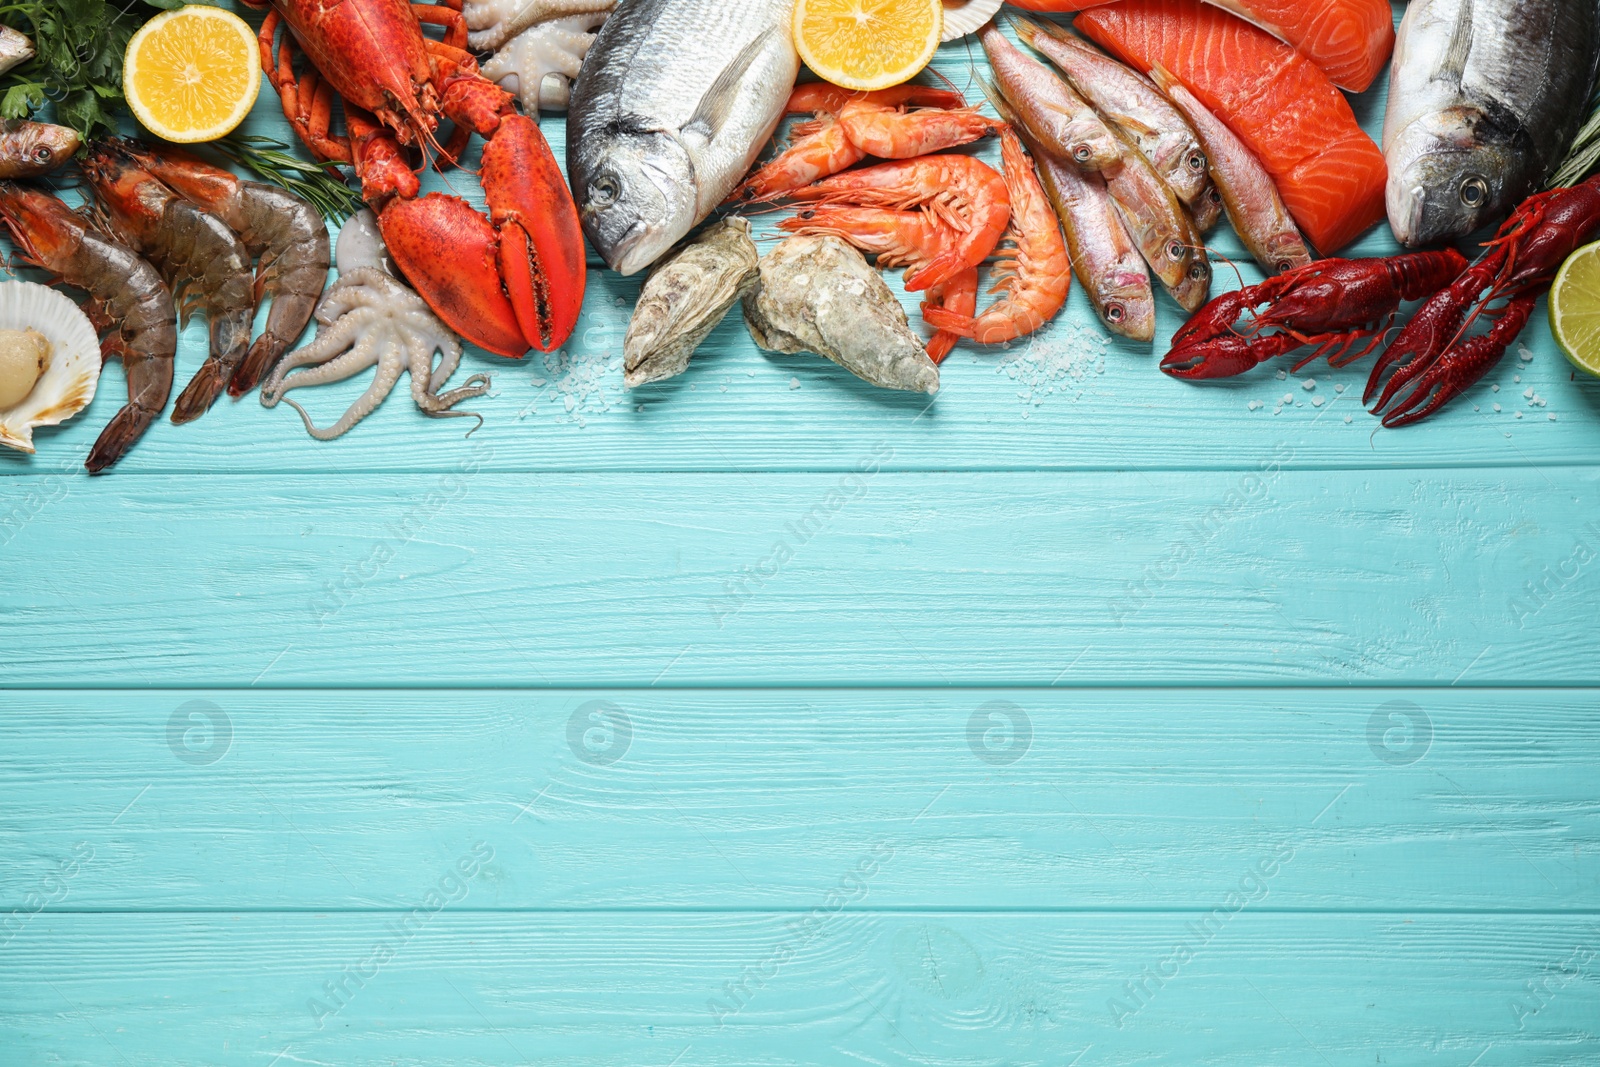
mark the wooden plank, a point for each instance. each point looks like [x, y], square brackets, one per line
[1045, 799]
[1068, 399]
[818, 986]
[480, 580]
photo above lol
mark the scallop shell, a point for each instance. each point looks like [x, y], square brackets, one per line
[67, 384]
[962, 17]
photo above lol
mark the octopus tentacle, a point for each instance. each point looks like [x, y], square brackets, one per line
[367, 318]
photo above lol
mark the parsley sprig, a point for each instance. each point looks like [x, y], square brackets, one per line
[78, 65]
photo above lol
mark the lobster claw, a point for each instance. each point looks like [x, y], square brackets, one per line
[541, 244]
[509, 282]
[447, 250]
[1225, 356]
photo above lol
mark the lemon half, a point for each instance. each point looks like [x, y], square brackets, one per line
[1575, 308]
[867, 44]
[192, 74]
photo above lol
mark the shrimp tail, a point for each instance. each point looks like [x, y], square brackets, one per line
[201, 392]
[264, 354]
[126, 427]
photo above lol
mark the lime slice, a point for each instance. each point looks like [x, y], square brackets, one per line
[1575, 308]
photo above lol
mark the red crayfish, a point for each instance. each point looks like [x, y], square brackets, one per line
[1433, 360]
[1336, 303]
[1333, 304]
[506, 283]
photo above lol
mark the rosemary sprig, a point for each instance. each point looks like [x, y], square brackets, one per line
[318, 183]
[1585, 153]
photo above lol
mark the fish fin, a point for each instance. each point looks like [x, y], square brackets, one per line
[711, 114]
[1001, 105]
[1454, 63]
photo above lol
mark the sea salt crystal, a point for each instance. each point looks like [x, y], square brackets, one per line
[1528, 392]
[1317, 401]
[794, 383]
[1495, 388]
[1551, 416]
[1309, 383]
[1254, 405]
[1339, 389]
[1288, 398]
[1282, 374]
[1497, 407]
[1523, 353]
[1347, 420]
[1516, 377]
[1519, 414]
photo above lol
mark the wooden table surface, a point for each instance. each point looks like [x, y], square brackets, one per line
[1080, 716]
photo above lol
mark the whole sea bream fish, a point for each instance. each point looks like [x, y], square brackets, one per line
[1484, 100]
[673, 104]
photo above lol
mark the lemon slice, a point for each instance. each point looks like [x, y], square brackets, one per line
[192, 74]
[1575, 308]
[867, 44]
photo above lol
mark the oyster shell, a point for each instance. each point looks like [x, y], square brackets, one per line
[962, 17]
[817, 294]
[67, 384]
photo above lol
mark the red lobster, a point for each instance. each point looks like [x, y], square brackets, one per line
[1433, 356]
[1333, 304]
[506, 282]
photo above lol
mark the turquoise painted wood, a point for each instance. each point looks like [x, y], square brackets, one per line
[1079, 717]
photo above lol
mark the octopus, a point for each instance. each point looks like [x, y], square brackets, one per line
[539, 45]
[368, 318]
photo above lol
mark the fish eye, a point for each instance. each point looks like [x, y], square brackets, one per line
[1175, 250]
[1197, 162]
[1199, 271]
[1215, 195]
[603, 191]
[1474, 192]
[1083, 153]
[1284, 266]
[41, 154]
[1115, 313]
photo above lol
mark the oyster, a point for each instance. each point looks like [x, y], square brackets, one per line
[46, 338]
[684, 299]
[817, 294]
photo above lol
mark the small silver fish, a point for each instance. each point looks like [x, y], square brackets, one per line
[817, 294]
[674, 102]
[684, 299]
[1103, 253]
[28, 149]
[1254, 207]
[1163, 229]
[1057, 116]
[1131, 101]
[1484, 100]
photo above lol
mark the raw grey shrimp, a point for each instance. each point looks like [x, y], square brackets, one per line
[285, 233]
[126, 297]
[203, 261]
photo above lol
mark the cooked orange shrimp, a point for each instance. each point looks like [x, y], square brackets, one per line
[128, 303]
[909, 239]
[823, 97]
[1036, 278]
[888, 133]
[285, 232]
[965, 194]
[876, 127]
[822, 151]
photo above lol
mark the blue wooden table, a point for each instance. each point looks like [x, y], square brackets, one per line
[1079, 717]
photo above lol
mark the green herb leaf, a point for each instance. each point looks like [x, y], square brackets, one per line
[319, 184]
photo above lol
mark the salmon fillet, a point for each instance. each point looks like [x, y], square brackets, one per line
[1328, 171]
[1350, 40]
